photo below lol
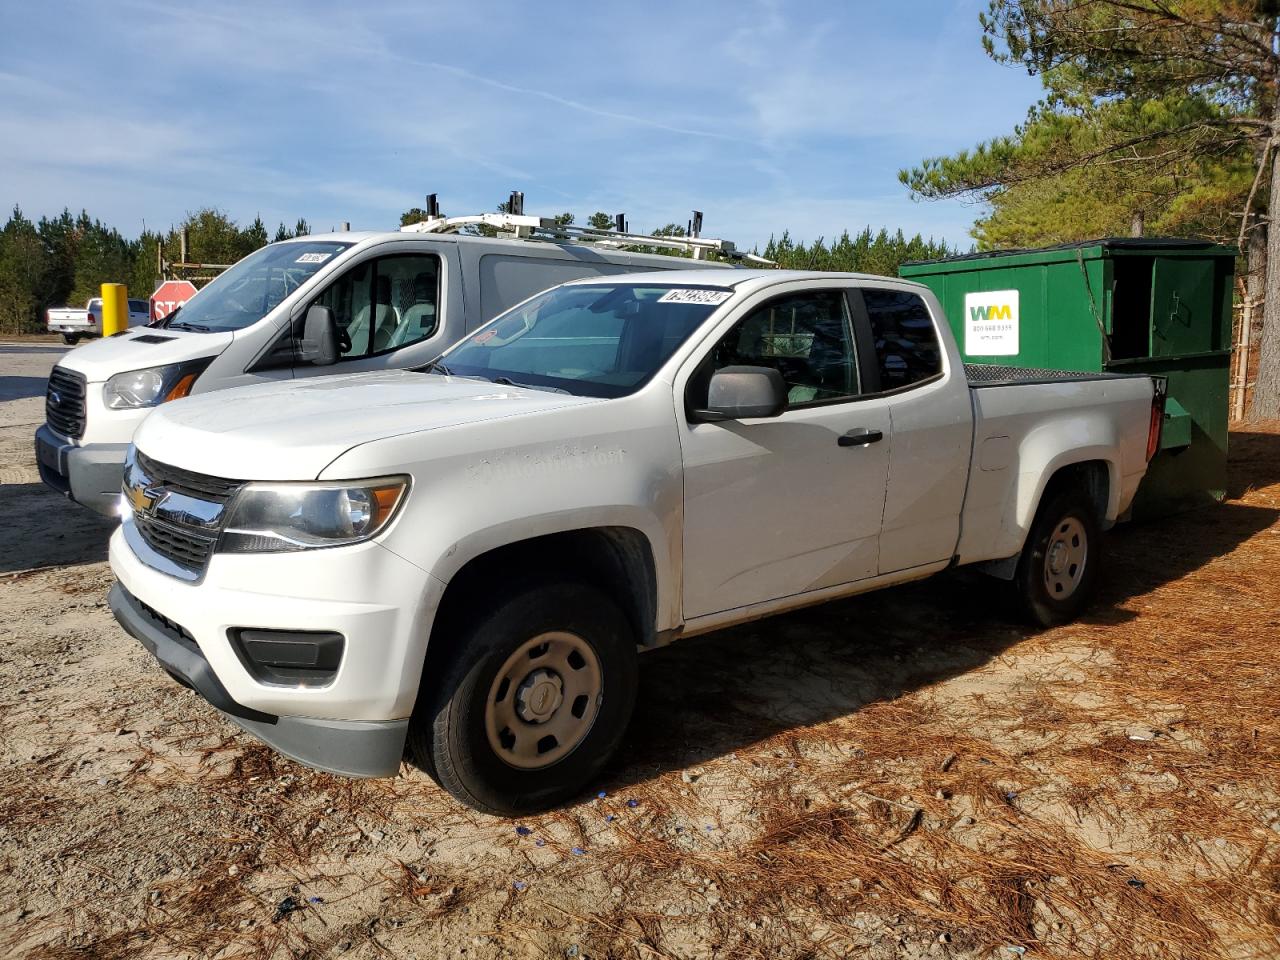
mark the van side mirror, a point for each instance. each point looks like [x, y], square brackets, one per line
[737, 393]
[319, 343]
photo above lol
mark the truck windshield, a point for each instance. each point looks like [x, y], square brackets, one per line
[254, 287]
[593, 340]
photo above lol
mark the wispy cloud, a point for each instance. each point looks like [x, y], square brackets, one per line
[764, 115]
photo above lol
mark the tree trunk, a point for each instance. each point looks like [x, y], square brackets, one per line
[1266, 392]
[1253, 287]
[1138, 224]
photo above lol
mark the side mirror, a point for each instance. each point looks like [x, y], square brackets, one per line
[737, 393]
[319, 343]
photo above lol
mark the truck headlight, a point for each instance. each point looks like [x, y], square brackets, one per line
[152, 385]
[271, 517]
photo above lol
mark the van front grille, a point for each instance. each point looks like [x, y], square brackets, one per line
[64, 403]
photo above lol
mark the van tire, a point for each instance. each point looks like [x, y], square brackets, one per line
[474, 736]
[1061, 560]
[70, 339]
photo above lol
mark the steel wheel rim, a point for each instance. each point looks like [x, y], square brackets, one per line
[1065, 558]
[543, 700]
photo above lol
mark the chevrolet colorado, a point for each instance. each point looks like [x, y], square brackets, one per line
[465, 558]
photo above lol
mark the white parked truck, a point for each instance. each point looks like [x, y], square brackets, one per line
[76, 324]
[396, 300]
[467, 557]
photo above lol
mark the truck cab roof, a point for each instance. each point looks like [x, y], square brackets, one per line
[744, 280]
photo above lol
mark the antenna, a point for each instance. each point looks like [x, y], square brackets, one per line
[695, 231]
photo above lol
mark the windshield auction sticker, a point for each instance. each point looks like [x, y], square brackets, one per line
[313, 258]
[706, 297]
[991, 323]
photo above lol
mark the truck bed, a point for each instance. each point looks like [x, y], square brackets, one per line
[996, 375]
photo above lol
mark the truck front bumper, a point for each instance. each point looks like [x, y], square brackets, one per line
[353, 724]
[89, 474]
[351, 748]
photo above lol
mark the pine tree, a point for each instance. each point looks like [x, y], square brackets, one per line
[1166, 112]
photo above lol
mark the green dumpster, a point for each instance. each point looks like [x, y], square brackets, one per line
[1141, 305]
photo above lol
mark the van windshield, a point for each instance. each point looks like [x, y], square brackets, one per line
[592, 340]
[248, 291]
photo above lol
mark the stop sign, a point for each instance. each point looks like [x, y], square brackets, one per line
[169, 296]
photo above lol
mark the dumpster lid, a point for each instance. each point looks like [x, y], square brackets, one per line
[1154, 244]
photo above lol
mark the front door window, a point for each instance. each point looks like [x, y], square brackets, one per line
[384, 304]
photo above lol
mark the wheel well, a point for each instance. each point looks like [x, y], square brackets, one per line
[1091, 476]
[615, 560]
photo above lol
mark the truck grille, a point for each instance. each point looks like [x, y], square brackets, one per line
[187, 546]
[64, 403]
[216, 489]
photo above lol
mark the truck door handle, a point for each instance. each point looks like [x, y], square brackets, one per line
[860, 437]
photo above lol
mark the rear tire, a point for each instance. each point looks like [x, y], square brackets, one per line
[531, 700]
[1061, 560]
[70, 339]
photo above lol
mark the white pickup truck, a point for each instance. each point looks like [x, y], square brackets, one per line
[74, 324]
[467, 556]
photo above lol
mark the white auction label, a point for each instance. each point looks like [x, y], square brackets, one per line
[708, 297]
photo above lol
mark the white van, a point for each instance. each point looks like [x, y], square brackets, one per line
[388, 300]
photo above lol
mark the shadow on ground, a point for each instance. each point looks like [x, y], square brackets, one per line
[708, 696]
[19, 388]
[40, 528]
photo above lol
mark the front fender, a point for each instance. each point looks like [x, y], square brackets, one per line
[663, 551]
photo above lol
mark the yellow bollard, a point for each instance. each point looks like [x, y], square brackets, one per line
[115, 308]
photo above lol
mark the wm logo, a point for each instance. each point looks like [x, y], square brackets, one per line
[995, 312]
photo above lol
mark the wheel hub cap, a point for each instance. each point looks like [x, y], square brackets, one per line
[539, 696]
[1065, 558]
[1058, 557]
[543, 700]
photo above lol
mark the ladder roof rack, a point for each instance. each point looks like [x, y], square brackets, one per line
[518, 226]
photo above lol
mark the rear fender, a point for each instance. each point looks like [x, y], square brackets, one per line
[1044, 452]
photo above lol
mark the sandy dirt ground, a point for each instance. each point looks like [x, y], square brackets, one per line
[908, 774]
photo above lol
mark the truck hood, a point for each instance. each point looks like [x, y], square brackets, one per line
[294, 429]
[138, 348]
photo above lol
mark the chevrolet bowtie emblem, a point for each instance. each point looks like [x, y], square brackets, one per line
[142, 497]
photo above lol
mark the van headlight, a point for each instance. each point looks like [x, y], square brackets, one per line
[152, 385]
[272, 517]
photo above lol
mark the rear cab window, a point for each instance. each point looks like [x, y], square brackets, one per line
[905, 341]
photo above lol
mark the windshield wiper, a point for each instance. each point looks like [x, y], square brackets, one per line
[180, 325]
[508, 382]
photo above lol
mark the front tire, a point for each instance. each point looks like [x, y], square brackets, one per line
[1061, 560]
[531, 701]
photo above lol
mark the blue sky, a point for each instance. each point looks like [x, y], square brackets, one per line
[763, 115]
